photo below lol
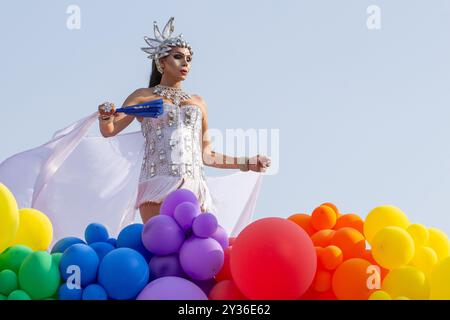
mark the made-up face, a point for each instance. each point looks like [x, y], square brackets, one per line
[178, 63]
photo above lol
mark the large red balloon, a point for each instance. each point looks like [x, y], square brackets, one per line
[272, 258]
[225, 272]
[226, 290]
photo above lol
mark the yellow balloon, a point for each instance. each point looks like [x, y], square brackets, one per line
[439, 242]
[392, 247]
[384, 216]
[440, 281]
[380, 295]
[35, 230]
[9, 217]
[419, 233]
[402, 298]
[425, 259]
[407, 282]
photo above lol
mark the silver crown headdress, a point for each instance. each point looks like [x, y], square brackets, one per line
[160, 46]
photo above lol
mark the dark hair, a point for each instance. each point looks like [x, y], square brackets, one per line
[155, 77]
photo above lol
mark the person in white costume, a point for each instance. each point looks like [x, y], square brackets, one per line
[77, 178]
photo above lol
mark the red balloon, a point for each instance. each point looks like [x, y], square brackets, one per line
[226, 290]
[231, 241]
[225, 272]
[313, 295]
[272, 258]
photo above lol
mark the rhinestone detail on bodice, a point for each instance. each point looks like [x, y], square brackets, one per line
[173, 143]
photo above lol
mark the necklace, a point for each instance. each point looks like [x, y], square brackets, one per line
[175, 94]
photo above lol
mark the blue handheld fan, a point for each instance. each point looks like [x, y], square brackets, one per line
[151, 109]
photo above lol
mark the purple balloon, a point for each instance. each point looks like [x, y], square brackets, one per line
[201, 258]
[185, 214]
[206, 285]
[172, 288]
[162, 235]
[205, 225]
[221, 237]
[164, 266]
[175, 198]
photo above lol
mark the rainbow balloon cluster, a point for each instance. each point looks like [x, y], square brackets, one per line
[185, 254]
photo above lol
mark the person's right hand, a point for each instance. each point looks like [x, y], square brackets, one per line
[107, 109]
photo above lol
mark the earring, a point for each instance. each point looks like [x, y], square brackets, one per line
[159, 67]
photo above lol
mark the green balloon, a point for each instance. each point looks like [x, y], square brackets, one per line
[8, 282]
[39, 275]
[2, 297]
[19, 295]
[57, 257]
[13, 257]
[55, 296]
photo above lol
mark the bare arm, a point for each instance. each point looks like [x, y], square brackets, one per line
[212, 158]
[120, 121]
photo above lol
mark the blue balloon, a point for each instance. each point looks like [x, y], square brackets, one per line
[96, 232]
[64, 243]
[123, 273]
[81, 261]
[64, 293]
[131, 237]
[94, 292]
[102, 249]
[112, 242]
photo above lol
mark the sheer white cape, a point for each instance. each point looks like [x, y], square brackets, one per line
[77, 178]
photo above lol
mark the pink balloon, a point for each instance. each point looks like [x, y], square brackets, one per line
[162, 235]
[201, 258]
[172, 288]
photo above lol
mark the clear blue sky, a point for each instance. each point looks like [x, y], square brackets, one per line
[363, 115]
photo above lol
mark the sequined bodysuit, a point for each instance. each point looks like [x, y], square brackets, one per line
[173, 156]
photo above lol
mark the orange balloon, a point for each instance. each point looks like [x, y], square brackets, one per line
[350, 220]
[367, 255]
[350, 241]
[350, 280]
[323, 217]
[322, 281]
[319, 251]
[304, 221]
[322, 238]
[331, 257]
[332, 206]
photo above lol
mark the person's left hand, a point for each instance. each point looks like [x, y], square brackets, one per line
[259, 163]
